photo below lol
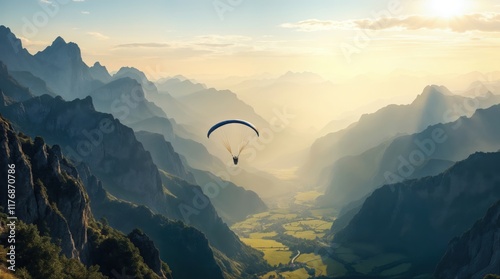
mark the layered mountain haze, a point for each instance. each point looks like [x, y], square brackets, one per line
[11, 88]
[232, 203]
[178, 87]
[426, 153]
[126, 100]
[37, 86]
[164, 155]
[434, 105]
[133, 73]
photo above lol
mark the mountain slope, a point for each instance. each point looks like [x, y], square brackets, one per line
[11, 87]
[427, 152]
[125, 99]
[36, 85]
[420, 216]
[232, 203]
[475, 253]
[163, 155]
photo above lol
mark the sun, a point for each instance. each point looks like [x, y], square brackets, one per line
[447, 8]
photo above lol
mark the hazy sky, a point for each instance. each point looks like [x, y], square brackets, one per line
[219, 38]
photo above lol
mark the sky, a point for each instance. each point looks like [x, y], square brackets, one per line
[220, 38]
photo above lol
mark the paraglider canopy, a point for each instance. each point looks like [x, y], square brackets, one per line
[234, 134]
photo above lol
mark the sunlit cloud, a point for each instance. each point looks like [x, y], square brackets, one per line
[46, 1]
[311, 25]
[98, 35]
[485, 22]
[143, 45]
[471, 22]
[85, 12]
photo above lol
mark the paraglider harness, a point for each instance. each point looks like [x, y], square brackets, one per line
[235, 160]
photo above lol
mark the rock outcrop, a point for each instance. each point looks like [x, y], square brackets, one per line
[476, 253]
[48, 191]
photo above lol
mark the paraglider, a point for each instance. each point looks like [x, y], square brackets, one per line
[234, 134]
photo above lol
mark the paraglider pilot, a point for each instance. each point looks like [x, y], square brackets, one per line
[235, 160]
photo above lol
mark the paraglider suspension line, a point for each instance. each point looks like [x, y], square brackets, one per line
[225, 142]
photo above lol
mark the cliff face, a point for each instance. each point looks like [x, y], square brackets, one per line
[185, 249]
[417, 218]
[48, 192]
[148, 250]
[476, 253]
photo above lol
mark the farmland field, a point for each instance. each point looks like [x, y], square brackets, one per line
[262, 232]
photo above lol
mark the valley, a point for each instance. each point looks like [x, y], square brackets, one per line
[299, 230]
[280, 233]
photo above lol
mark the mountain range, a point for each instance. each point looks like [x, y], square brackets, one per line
[435, 104]
[124, 169]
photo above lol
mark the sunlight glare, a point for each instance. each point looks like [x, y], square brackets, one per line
[447, 8]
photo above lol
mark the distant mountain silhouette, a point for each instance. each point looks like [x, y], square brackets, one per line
[10, 88]
[133, 73]
[99, 72]
[60, 65]
[179, 87]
